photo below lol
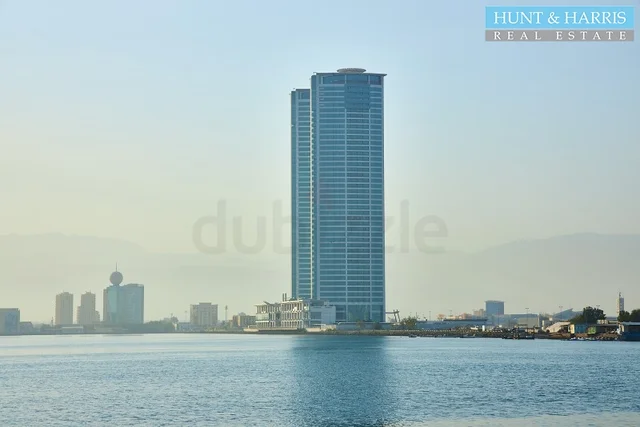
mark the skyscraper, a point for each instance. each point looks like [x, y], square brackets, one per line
[131, 304]
[87, 314]
[301, 194]
[123, 305]
[347, 192]
[64, 309]
[111, 299]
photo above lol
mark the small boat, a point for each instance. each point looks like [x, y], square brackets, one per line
[413, 336]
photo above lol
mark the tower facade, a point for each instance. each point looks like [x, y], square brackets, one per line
[347, 193]
[123, 305]
[301, 197]
[64, 309]
[87, 314]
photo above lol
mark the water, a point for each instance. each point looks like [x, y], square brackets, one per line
[239, 380]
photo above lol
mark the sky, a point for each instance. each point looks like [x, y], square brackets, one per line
[133, 120]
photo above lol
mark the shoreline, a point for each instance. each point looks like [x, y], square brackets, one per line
[369, 333]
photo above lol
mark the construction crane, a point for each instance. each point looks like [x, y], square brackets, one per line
[396, 315]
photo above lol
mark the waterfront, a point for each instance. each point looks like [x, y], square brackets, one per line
[238, 380]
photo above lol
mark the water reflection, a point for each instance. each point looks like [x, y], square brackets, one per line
[341, 381]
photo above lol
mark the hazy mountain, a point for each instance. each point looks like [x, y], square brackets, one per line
[572, 271]
[36, 268]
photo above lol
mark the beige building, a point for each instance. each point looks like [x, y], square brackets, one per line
[64, 309]
[87, 314]
[243, 320]
[204, 314]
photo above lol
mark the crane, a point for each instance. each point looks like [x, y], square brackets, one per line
[396, 315]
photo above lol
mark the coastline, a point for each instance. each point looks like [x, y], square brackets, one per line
[368, 333]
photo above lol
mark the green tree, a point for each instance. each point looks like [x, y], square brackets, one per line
[577, 320]
[624, 316]
[634, 316]
[409, 323]
[589, 315]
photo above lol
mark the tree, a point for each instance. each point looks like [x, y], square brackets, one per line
[589, 315]
[634, 316]
[409, 323]
[624, 316]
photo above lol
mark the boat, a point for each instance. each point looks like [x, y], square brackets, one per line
[413, 336]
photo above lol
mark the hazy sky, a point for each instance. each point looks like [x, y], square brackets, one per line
[133, 119]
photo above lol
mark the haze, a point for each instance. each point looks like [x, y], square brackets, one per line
[131, 121]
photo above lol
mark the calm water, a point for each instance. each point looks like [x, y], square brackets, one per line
[211, 380]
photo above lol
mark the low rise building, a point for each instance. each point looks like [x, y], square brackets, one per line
[629, 331]
[294, 314]
[242, 320]
[204, 314]
[451, 323]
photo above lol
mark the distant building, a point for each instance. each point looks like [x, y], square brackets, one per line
[110, 298]
[451, 323]
[9, 321]
[87, 314]
[64, 309]
[494, 308]
[204, 314]
[26, 328]
[481, 313]
[243, 320]
[131, 308]
[620, 303]
[295, 314]
[123, 305]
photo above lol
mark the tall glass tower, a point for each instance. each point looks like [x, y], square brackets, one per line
[301, 246]
[347, 183]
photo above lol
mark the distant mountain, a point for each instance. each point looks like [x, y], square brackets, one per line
[572, 271]
[36, 268]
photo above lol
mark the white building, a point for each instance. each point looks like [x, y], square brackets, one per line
[620, 303]
[204, 314]
[295, 314]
